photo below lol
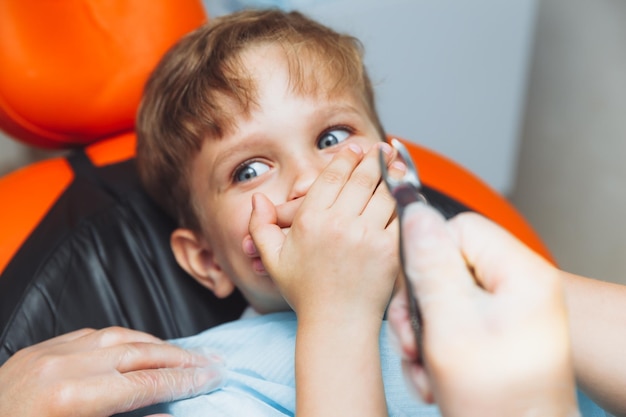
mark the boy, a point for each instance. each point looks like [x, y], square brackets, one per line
[252, 109]
[259, 130]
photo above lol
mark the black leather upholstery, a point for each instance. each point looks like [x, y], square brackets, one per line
[101, 257]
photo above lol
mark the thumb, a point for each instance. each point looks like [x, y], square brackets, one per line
[498, 258]
[434, 263]
[264, 230]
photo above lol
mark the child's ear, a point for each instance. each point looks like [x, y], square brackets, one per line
[194, 254]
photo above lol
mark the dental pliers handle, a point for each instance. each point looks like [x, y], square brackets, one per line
[406, 190]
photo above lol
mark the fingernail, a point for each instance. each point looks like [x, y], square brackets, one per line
[385, 147]
[258, 267]
[248, 246]
[207, 356]
[209, 379]
[355, 148]
[399, 165]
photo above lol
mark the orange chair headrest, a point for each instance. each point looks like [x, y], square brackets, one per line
[72, 71]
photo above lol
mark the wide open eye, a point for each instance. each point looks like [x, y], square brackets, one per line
[332, 137]
[250, 170]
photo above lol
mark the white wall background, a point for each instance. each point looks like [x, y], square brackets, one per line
[571, 179]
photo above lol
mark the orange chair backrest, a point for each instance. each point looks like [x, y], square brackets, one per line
[72, 71]
[450, 178]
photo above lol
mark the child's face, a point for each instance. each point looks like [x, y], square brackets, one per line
[278, 149]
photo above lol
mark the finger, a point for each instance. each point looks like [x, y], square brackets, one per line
[434, 262]
[130, 391]
[284, 218]
[381, 209]
[363, 181]
[249, 248]
[328, 185]
[485, 244]
[400, 324]
[163, 385]
[267, 236]
[286, 212]
[131, 357]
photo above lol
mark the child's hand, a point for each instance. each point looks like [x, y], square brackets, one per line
[341, 252]
[495, 324]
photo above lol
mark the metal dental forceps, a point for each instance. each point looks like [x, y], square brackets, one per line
[406, 190]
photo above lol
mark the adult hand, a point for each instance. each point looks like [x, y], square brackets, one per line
[495, 329]
[101, 372]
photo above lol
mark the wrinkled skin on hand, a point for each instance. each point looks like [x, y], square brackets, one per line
[97, 373]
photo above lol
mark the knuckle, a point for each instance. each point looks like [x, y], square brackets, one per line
[332, 176]
[61, 398]
[386, 196]
[313, 222]
[363, 180]
[111, 335]
[130, 351]
[106, 338]
[156, 386]
[47, 366]
[303, 222]
[150, 383]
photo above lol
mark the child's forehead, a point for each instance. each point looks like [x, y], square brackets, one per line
[310, 73]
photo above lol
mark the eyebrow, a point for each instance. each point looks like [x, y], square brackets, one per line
[334, 109]
[244, 142]
[225, 157]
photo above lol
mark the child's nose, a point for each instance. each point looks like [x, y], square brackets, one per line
[306, 173]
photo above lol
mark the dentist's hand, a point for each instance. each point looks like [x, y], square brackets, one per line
[97, 373]
[496, 338]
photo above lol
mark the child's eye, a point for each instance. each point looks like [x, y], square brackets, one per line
[250, 170]
[332, 137]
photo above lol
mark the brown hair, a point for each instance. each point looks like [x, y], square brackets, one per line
[188, 96]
